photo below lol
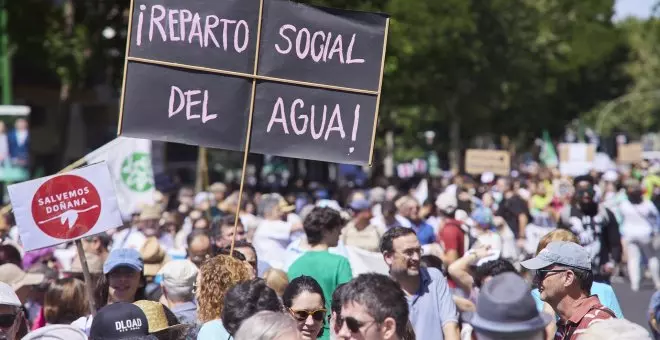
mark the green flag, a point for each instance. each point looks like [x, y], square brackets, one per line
[548, 154]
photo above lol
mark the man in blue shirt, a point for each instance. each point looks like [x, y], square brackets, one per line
[432, 310]
[408, 215]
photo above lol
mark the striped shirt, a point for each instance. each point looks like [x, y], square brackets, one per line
[586, 312]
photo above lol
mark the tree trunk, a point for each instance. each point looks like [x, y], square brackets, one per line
[65, 89]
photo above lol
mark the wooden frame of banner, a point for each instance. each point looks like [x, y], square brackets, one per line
[248, 133]
[255, 77]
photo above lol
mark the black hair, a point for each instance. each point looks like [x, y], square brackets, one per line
[102, 290]
[320, 220]
[196, 233]
[583, 178]
[432, 261]
[221, 222]
[584, 277]
[104, 238]
[237, 255]
[335, 304]
[299, 285]
[241, 244]
[381, 297]
[388, 206]
[246, 299]
[386, 242]
[492, 268]
[10, 254]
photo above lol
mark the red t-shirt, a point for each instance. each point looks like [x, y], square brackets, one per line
[452, 237]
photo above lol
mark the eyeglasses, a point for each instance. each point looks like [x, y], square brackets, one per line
[542, 273]
[302, 315]
[352, 323]
[194, 290]
[7, 320]
[412, 251]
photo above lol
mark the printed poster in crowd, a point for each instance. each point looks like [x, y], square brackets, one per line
[478, 161]
[630, 153]
[66, 207]
[311, 81]
[129, 161]
[576, 159]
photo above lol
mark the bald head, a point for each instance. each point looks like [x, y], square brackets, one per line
[199, 248]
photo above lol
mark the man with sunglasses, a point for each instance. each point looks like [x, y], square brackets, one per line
[564, 278]
[432, 309]
[595, 226]
[373, 307]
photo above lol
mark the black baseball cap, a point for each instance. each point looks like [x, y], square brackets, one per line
[118, 321]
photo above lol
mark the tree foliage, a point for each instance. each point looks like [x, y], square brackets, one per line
[497, 67]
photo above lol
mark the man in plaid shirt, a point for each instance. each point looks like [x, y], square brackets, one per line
[564, 278]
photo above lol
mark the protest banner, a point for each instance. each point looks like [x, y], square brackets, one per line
[62, 208]
[129, 161]
[66, 207]
[630, 153]
[311, 82]
[478, 161]
[311, 77]
[576, 159]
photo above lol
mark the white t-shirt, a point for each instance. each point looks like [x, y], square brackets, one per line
[128, 238]
[84, 323]
[270, 241]
[636, 220]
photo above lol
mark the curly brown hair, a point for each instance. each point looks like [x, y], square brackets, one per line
[216, 276]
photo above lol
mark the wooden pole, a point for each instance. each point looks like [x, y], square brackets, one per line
[88, 278]
[248, 133]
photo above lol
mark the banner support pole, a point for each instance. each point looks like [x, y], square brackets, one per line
[88, 278]
[248, 133]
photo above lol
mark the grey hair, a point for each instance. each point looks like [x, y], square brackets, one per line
[611, 329]
[178, 293]
[266, 326]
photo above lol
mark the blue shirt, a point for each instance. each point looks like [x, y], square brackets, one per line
[425, 233]
[432, 306]
[213, 330]
[605, 295]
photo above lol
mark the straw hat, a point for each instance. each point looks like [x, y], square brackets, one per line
[154, 256]
[155, 312]
[94, 263]
[150, 212]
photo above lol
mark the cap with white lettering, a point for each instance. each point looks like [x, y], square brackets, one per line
[118, 321]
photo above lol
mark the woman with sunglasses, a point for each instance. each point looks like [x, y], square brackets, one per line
[304, 300]
[13, 324]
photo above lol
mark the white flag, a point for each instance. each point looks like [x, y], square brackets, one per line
[129, 160]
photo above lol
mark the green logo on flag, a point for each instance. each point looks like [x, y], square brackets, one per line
[136, 172]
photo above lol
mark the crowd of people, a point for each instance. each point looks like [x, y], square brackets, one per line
[529, 256]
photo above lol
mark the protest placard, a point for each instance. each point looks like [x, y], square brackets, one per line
[303, 81]
[62, 208]
[576, 159]
[630, 153]
[478, 161]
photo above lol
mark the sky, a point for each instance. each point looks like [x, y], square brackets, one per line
[637, 8]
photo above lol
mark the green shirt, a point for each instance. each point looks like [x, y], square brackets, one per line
[329, 270]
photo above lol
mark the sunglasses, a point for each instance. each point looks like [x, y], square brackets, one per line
[353, 324]
[7, 320]
[302, 315]
[542, 273]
